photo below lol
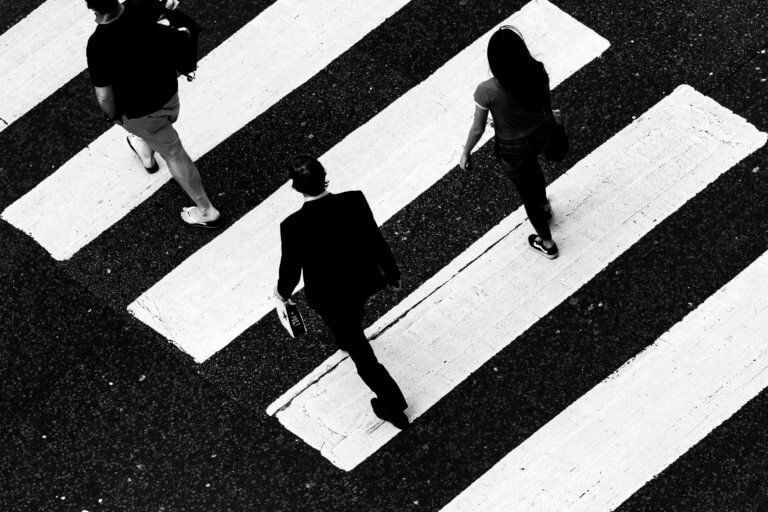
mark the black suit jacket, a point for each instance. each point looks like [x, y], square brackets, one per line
[335, 241]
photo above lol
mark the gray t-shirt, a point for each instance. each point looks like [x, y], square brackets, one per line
[509, 119]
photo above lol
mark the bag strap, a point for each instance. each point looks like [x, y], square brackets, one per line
[178, 19]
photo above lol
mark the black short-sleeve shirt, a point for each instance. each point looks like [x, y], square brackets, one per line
[128, 54]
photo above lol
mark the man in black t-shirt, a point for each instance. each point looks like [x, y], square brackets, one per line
[136, 87]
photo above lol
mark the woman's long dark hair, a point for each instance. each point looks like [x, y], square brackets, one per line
[517, 71]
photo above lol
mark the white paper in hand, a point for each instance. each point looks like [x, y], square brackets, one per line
[289, 316]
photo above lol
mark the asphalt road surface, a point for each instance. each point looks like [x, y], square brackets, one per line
[100, 411]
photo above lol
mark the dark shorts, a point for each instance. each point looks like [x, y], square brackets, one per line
[157, 128]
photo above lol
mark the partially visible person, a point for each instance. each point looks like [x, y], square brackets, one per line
[136, 87]
[518, 98]
[335, 241]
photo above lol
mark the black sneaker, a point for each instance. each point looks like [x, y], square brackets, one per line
[547, 211]
[535, 242]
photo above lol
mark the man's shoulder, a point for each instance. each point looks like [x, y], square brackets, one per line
[92, 40]
[350, 197]
[340, 199]
[142, 6]
[291, 220]
[97, 43]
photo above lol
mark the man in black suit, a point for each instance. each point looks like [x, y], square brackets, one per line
[336, 242]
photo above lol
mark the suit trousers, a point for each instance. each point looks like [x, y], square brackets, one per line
[346, 323]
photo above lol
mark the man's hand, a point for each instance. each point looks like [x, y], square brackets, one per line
[106, 98]
[280, 297]
[116, 120]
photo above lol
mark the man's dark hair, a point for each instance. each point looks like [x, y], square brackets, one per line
[103, 6]
[308, 175]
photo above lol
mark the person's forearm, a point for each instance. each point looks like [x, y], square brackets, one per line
[472, 139]
[106, 99]
[108, 107]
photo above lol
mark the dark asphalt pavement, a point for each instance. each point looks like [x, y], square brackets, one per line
[99, 412]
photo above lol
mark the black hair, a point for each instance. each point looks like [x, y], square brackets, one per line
[103, 6]
[308, 175]
[517, 71]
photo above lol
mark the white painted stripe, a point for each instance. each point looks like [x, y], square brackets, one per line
[41, 53]
[627, 429]
[499, 287]
[284, 46]
[221, 290]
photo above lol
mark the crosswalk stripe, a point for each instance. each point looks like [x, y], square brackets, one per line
[41, 53]
[630, 427]
[393, 158]
[498, 288]
[284, 46]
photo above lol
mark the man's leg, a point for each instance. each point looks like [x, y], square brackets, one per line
[376, 376]
[185, 172]
[155, 132]
[146, 153]
[346, 326]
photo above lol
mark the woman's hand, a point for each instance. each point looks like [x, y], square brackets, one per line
[465, 162]
[473, 137]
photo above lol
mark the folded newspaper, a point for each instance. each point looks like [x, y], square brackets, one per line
[289, 316]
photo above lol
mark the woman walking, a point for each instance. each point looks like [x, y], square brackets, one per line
[518, 98]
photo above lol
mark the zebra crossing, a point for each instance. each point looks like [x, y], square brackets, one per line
[603, 205]
[391, 165]
[95, 189]
[626, 430]
[41, 53]
[498, 288]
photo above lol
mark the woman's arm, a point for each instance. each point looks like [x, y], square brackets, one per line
[475, 132]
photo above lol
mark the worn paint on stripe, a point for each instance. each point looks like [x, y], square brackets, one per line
[499, 287]
[284, 46]
[627, 429]
[41, 53]
[226, 286]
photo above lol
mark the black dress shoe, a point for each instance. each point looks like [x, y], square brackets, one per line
[397, 418]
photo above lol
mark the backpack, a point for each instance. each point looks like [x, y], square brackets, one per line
[179, 36]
